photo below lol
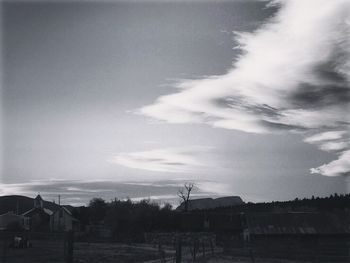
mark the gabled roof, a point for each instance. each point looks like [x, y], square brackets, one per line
[69, 208]
[11, 213]
[66, 210]
[8, 213]
[45, 210]
[38, 197]
[48, 211]
[28, 212]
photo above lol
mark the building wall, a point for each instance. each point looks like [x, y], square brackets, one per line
[10, 217]
[61, 221]
[39, 221]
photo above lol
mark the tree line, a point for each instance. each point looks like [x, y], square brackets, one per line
[329, 203]
[128, 219]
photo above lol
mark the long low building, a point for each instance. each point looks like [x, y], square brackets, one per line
[314, 236]
[10, 219]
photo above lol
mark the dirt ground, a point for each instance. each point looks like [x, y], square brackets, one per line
[40, 252]
[52, 252]
[232, 259]
[111, 253]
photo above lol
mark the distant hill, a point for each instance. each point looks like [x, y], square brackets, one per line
[24, 203]
[209, 203]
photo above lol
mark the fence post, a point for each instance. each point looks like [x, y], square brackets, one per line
[68, 246]
[251, 254]
[211, 246]
[178, 250]
[317, 251]
[4, 250]
[194, 250]
[161, 252]
[203, 247]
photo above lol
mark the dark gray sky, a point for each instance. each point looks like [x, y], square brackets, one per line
[76, 74]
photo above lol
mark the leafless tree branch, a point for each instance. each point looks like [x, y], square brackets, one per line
[185, 194]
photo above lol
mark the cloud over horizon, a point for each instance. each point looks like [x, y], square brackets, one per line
[80, 192]
[293, 75]
[174, 160]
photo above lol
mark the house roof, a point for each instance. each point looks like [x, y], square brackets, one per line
[38, 197]
[45, 210]
[8, 213]
[298, 223]
[11, 213]
[67, 211]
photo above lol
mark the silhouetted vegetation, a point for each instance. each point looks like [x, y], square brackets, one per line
[129, 220]
[185, 193]
[98, 209]
[330, 203]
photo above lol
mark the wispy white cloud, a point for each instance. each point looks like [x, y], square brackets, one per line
[334, 146]
[336, 167]
[175, 160]
[330, 141]
[325, 136]
[293, 75]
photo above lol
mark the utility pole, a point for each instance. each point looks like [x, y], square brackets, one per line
[17, 208]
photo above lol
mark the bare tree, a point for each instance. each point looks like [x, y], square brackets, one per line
[185, 193]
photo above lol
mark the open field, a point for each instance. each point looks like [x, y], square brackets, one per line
[41, 251]
[116, 252]
[52, 252]
[231, 259]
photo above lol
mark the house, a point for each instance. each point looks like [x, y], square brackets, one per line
[39, 215]
[9, 218]
[63, 220]
[36, 214]
[59, 218]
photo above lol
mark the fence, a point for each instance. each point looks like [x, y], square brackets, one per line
[19, 247]
[189, 247]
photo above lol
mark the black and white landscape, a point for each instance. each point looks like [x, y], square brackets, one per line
[175, 130]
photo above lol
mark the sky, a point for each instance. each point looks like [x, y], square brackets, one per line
[130, 99]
